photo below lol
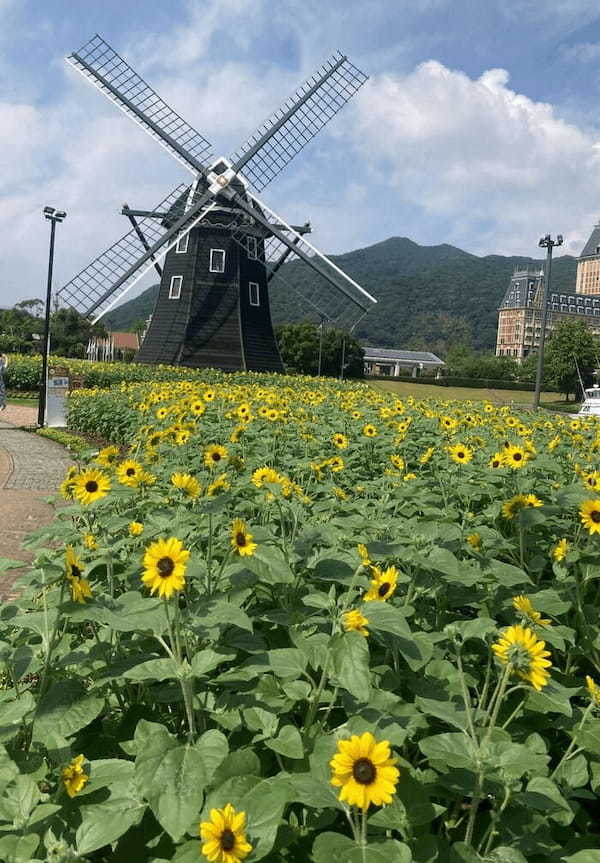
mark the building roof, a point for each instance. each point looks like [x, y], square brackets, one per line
[406, 356]
[125, 341]
[593, 244]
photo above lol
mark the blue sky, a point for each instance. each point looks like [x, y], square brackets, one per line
[479, 126]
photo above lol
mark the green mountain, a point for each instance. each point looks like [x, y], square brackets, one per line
[427, 295]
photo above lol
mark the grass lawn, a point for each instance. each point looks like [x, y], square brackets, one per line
[27, 403]
[517, 397]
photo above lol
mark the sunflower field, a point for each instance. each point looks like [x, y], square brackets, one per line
[294, 621]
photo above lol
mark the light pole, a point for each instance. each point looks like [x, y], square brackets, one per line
[548, 243]
[53, 216]
[320, 346]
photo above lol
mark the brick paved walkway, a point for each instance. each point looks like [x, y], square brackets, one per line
[31, 468]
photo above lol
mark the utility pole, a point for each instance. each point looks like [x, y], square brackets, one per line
[343, 363]
[548, 243]
[53, 216]
[320, 346]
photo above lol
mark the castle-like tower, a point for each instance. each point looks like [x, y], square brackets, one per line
[588, 265]
[520, 315]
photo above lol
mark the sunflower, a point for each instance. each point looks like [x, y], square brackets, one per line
[364, 771]
[90, 485]
[336, 463]
[209, 395]
[448, 423]
[515, 457]
[187, 483]
[354, 620]
[164, 563]
[197, 408]
[460, 454]
[423, 459]
[521, 648]
[520, 501]
[273, 414]
[129, 473]
[135, 528]
[496, 461]
[241, 539]
[397, 461]
[89, 540]
[523, 605]
[383, 584]
[214, 454]
[474, 540]
[74, 776]
[264, 474]
[593, 690]
[221, 483]
[339, 440]
[107, 456]
[369, 430]
[592, 480]
[589, 512]
[80, 587]
[559, 552]
[161, 413]
[363, 553]
[224, 837]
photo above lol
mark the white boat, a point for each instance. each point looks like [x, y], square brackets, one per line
[590, 406]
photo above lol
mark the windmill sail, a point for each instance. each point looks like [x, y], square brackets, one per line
[97, 288]
[303, 115]
[107, 71]
[328, 291]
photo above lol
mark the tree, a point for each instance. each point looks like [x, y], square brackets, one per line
[299, 347]
[70, 333]
[571, 345]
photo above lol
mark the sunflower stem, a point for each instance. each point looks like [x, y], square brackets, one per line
[184, 681]
[209, 556]
[572, 744]
[465, 694]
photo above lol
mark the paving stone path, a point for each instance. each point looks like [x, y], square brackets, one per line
[31, 469]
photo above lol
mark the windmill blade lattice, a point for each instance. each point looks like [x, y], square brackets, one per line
[110, 73]
[92, 290]
[285, 133]
[333, 295]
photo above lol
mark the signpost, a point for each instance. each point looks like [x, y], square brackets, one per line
[58, 387]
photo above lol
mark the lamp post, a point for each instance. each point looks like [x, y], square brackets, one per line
[548, 243]
[53, 216]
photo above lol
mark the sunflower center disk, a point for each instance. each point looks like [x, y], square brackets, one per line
[165, 567]
[227, 840]
[130, 471]
[240, 539]
[595, 516]
[91, 486]
[383, 588]
[364, 771]
[75, 571]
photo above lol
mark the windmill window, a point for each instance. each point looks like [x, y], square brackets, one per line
[217, 261]
[252, 248]
[182, 243]
[175, 287]
[254, 293]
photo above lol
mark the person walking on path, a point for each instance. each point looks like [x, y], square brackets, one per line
[3, 365]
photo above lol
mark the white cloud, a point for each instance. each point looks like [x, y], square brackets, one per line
[506, 167]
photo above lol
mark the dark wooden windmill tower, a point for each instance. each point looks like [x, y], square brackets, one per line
[221, 245]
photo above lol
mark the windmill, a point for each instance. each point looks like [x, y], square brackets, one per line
[220, 245]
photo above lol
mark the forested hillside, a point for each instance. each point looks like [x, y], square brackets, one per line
[426, 294]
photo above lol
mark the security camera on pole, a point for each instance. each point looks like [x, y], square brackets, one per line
[548, 243]
[53, 216]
